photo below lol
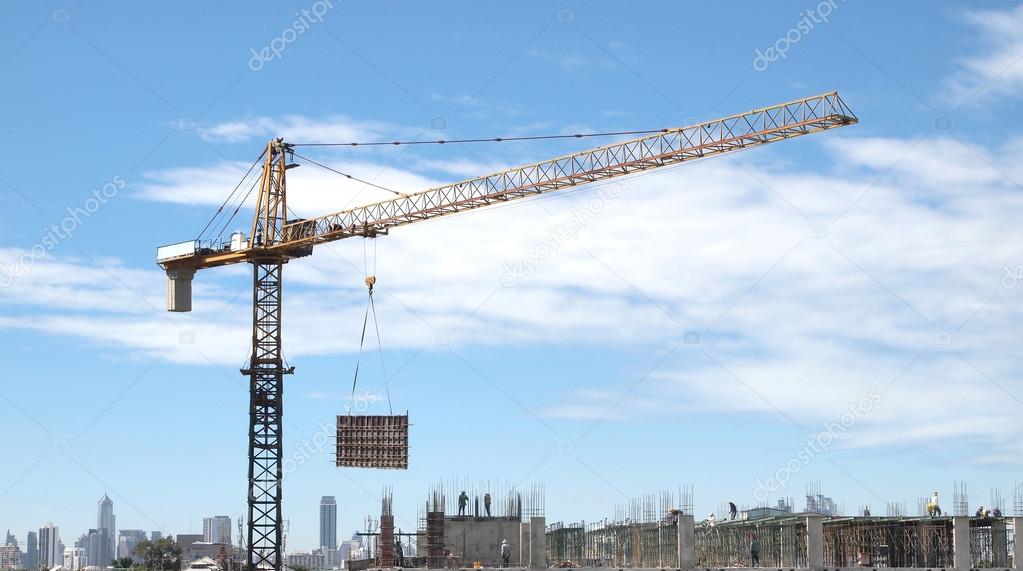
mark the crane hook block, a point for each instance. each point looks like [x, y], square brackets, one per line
[370, 282]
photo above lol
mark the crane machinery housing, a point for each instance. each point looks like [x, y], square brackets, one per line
[274, 240]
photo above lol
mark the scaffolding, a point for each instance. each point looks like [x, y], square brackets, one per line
[990, 543]
[888, 542]
[782, 542]
[642, 533]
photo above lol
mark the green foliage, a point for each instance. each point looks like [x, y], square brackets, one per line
[160, 555]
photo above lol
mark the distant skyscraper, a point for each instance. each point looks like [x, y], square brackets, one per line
[216, 529]
[74, 559]
[51, 552]
[328, 522]
[127, 539]
[11, 540]
[107, 548]
[154, 535]
[92, 545]
[10, 557]
[31, 560]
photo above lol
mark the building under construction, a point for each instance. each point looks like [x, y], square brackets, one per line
[653, 533]
[464, 525]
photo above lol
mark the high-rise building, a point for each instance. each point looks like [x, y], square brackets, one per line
[31, 560]
[216, 529]
[106, 549]
[10, 556]
[127, 539]
[154, 535]
[75, 559]
[92, 544]
[11, 540]
[328, 522]
[51, 552]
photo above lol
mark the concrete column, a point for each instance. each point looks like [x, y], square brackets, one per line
[999, 543]
[961, 542]
[537, 543]
[1017, 543]
[815, 542]
[686, 543]
[524, 544]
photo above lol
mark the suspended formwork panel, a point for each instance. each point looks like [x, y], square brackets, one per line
[368, 441]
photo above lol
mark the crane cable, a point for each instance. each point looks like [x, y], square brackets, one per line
[226, 200]
[355, 178]
[397, 143]
[370, 281]
[486, 139]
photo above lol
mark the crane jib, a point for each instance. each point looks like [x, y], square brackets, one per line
[274, 240]
[674, 146]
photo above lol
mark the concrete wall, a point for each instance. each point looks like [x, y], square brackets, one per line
[472, 539]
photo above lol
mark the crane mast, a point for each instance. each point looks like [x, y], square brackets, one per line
[274, 240]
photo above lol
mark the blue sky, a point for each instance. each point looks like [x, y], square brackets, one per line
[855, 289]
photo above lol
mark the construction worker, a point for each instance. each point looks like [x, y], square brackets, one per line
[980, 511]
[463, 500]
[712, 520]
[505, 552]
[672, 516]
[486, 503]
[754, 552]
[933, 507]
[732, 511]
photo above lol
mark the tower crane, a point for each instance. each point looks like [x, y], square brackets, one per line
[275, 240]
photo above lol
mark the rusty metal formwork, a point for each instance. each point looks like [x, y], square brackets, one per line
[888, 542]
[727, 544]
[386, 541]
[566, 543]
[372, 441]
[990, 542]
[432, 527]
[618, 544]
[642, 533]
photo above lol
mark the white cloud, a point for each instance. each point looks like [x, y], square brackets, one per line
[998, 70]
[297, 128]
[311, 189]
[808, 323]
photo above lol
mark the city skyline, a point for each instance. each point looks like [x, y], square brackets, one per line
[837, 308]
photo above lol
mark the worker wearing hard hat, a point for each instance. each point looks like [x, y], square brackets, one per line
[505, 552]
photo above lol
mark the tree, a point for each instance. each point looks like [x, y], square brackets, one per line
[160, 555]
[123, 563]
